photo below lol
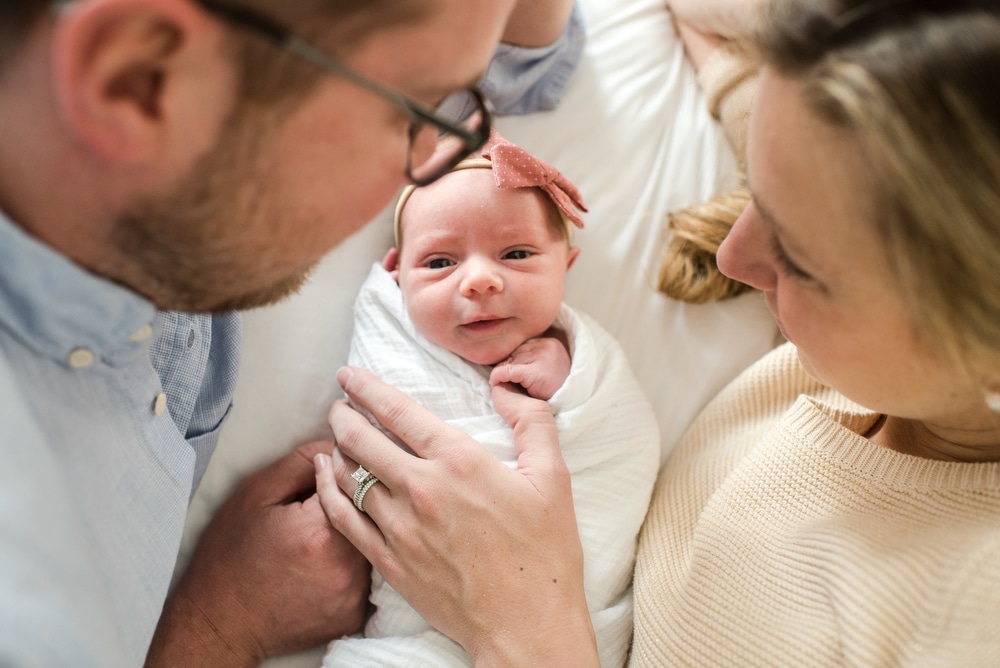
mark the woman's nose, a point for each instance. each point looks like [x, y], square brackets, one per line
[745, 254]
[480, 276]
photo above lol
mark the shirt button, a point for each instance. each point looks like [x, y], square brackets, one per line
[142, 333]
[80, 358]
[160, 404]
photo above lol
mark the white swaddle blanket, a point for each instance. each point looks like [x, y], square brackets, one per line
[609, 438]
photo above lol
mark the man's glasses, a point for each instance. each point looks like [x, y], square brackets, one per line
[462, 121]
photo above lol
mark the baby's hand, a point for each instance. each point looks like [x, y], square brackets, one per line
[540, 366]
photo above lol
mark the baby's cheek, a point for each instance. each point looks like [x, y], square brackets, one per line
[429, 317]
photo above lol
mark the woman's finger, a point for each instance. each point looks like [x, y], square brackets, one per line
[343, 516]
[364, 443]
[535, 434]
[344, 470]
[505, 372]
[423, 432]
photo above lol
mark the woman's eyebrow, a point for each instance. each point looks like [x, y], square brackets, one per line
[764, 210]
[766, 213]
[780, 230]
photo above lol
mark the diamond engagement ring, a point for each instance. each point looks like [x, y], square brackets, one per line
[363, 487]
[361, 475]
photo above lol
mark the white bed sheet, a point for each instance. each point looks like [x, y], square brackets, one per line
[633, 133]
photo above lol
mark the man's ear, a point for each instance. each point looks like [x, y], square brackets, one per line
[119, 67]
[574, 252]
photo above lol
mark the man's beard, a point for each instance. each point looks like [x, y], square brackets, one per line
[202, 247]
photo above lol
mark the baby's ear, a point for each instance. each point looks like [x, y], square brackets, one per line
[574, 251]
[390, 263]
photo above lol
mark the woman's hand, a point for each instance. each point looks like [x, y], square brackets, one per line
[488, 555]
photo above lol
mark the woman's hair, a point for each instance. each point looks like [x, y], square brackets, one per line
[915, 83]
[688, 271]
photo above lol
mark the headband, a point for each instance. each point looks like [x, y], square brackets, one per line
[514, 167]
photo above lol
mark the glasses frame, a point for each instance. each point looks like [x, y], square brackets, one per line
[420, 114]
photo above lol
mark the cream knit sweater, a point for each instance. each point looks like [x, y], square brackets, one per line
[778, 536]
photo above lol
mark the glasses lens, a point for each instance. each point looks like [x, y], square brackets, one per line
[464, 110]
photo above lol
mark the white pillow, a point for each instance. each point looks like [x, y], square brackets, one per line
[633, 133]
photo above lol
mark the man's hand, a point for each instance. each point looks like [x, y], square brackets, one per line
[270, 576]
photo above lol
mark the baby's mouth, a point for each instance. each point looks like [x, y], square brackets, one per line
[484, 324]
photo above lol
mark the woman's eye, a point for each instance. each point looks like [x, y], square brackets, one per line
[517, 255]
[785, 264]
[439, 263]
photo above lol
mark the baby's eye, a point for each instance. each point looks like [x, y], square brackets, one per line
[439, 263]
[517, 255]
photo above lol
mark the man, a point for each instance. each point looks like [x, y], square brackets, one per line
[174, 155]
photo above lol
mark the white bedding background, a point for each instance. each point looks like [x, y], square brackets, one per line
[633, 133]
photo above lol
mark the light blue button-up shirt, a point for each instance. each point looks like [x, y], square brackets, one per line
[520, 80]
[108, 413]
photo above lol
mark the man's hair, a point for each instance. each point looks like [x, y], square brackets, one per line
[17, 18]
[915, 84]
[337, 26]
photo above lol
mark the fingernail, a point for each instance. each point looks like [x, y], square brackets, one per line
[321, 461]
[344, 374]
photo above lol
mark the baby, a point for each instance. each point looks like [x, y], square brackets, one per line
[471, 298]
[484, 264]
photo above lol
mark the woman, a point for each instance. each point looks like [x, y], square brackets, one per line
[840, 501]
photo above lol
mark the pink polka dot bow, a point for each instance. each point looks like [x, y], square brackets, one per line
[514, 167]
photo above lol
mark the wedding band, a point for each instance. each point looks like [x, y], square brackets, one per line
[361, 475]
[359, 493]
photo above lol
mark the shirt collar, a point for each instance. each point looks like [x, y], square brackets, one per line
[58, 308]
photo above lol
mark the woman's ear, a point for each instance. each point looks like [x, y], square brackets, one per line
[574, 251]
[123, 68]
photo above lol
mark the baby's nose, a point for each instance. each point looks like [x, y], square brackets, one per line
[480, 276]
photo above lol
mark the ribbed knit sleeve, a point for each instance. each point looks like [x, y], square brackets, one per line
[778, 536]
[730, 84]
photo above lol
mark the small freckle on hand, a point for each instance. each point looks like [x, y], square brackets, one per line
[555, 580]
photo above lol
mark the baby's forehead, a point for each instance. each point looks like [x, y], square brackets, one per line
[470, 190]
[472, 182]
[469, 198]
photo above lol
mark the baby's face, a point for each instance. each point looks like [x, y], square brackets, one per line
[481, 269]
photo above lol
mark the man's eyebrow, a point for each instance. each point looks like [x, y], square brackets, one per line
[441, 91]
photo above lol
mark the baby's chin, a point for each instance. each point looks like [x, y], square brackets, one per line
[486, 355]
[487, 348]
[487, 360]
